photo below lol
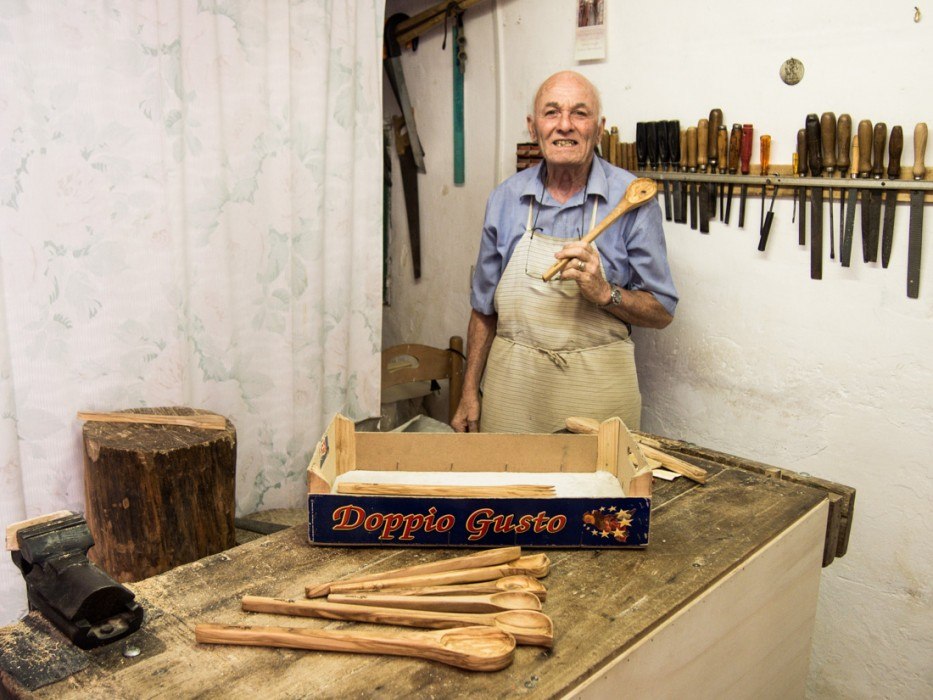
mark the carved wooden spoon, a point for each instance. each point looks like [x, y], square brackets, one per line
[536, 565]
[473, 648]
[506, 583]
[487, 557]
[491, 602]
[640, 191]
[527, 626]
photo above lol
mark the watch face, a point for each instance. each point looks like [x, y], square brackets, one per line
[616, 297]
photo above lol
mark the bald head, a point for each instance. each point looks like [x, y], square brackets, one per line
[572, 77]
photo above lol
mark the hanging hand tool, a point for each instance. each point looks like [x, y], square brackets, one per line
[796, 168]
[864, 171]
[673, 149]
[845, 252]
[651, 135]
[828, 142]
[684, 187]
[765, 156]
[393, 67]
[664, 157]
[715, 121]
[815, 160]
[613, 156]
[895, 147]
[745, 161]
[406, 161]
[802, 164]
[843, 139]
[604, 151]
[915, 232]
[723, 167]
[766, 227]
[879, 138]
[692, 145]
[735, 150]
[641, 144]
[702, 160]
[459, 66]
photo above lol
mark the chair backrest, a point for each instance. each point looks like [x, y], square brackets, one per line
[411, 362]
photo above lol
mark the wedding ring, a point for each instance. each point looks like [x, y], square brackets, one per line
[581, 265]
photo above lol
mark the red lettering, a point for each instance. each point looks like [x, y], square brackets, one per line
[347, 517]
[556, 524]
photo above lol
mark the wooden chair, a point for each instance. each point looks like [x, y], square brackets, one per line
[410, 362]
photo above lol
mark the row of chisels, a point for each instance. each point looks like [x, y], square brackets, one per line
[699, 166]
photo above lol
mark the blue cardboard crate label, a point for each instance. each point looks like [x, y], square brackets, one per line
[541, 522]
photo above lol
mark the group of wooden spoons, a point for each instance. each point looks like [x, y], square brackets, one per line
[483, 603]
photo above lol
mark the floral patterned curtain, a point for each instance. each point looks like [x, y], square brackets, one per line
[190, 214]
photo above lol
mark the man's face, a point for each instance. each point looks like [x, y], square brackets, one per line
[566, 124]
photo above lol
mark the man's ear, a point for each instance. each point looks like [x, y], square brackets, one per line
[531, 128]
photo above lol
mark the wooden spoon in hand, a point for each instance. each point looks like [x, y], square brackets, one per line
[472, 648]
[639, 192]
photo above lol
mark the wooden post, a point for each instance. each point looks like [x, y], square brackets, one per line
[158, 495]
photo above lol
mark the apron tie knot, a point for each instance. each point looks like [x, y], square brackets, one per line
[555, 357]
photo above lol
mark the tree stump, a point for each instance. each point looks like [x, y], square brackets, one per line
[158, 495]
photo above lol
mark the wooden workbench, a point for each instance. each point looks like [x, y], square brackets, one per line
[720, 604]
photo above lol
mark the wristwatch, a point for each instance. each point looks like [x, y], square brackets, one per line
[615, 297]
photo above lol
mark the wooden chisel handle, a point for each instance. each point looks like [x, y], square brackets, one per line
[802, 151]
[895, 149]
[828, 140]
[735, 148]
[723, 138]
[843, 139]
[691, 150]
[864, 148]
[877, 150]
[746, 159]
[920, 149]
[702, 143]
[715, 121]
[764, 153]
[814, 150]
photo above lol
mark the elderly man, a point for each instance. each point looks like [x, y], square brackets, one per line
[549, 350]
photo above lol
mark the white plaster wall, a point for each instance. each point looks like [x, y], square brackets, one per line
[830, 377]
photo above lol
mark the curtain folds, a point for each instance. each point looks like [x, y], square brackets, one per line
[190, 214]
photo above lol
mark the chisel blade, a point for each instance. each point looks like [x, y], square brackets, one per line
[914, 244]
[816, 235]
[845, 247]
[887, 236]
[704, 207]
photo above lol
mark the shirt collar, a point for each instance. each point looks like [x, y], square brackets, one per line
[597, 183]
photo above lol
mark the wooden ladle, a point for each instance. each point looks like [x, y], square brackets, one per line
[640, 191]
[486, 557]
[536, 565]
[527, 626]
[483, 603]
[506, 583]
[472, 648]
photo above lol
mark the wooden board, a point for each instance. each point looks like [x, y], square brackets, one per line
[602, 603]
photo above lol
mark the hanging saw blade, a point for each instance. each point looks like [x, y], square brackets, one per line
[393, 67]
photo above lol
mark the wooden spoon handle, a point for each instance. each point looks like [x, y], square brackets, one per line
[487, 557]
[639, 192]
[536, 565]
[481, 603]
[364, 613]
[507, 583]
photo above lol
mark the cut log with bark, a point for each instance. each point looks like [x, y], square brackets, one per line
[158, 495]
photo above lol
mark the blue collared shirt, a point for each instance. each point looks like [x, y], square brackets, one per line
[633, 251]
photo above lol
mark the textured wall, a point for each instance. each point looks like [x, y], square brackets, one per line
[829, 377]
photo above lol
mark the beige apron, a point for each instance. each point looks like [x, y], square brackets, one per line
[555, 354]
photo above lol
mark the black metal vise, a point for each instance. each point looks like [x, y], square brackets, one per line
[88, 606]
